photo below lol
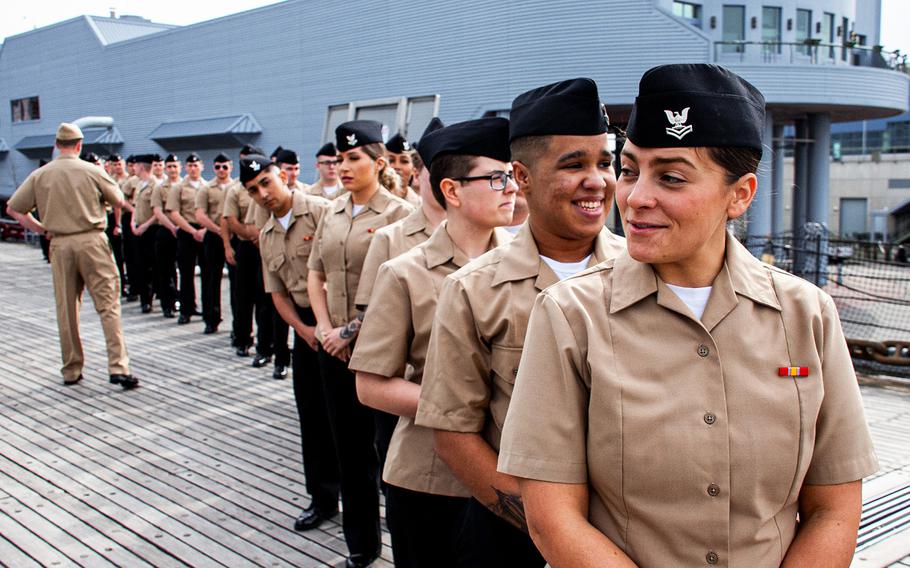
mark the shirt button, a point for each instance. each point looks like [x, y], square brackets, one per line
[713, 490]
[711, 557]
[703, 351]
[710, 418]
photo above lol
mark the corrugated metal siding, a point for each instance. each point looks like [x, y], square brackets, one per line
[286, 63]
[112, 30]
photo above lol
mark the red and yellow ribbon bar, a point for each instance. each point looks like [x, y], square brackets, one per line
[793, 371]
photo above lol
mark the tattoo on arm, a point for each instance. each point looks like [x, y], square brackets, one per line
[353, 327]
[510, 508]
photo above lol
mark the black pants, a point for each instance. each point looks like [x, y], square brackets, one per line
[232, 292]
[249, 293]
[424, 527]
[144, 261]
[189, 254]
[279, 337]
[130, 247]
[320, 462]
[385, 427]
[117, 248]
[353, 433]
[165, 267]
[487, 541]
[212, 273]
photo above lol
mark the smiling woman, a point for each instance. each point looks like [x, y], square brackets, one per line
[673, 362]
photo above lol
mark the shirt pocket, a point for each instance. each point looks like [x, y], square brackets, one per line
[275, 262]
[504, 368]
[303, 247]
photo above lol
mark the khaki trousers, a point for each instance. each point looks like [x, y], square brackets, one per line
[80, 261]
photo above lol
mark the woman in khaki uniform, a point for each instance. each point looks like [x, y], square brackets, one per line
[340, 246]
[143, 227]
[685, 404]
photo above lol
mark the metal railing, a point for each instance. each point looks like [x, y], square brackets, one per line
[812, 52]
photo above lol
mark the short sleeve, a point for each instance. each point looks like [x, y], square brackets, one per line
[109, 189]
[544, 436]
[315, 260]
[231, 208]
[385, 337]
[156, 197]
[202, 198]
[843, 447]
[23, 200]
[455, 390]
[376, 255]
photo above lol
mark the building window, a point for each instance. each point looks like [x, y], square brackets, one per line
[25, 109]
[734, 28]
[770, 29]
[408, 115]
[688, 11]
[827, 32]
[803, 29]
[899, 183]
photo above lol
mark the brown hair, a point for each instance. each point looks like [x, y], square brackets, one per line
[527, 149]
[448, 166]
[67, 143]
[388, 178]
[736, 162]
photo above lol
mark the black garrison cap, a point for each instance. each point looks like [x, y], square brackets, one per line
[398, 144]
[90, 157]
[357, 133]
[328, 149]
[276, 152]
[565, 108]
[248, 149]
[251, 166]
[695, 105]
[193, 158]
[434, 125]
[481, 137]
[144, 158]
[221, 158]
[114, 157]
[131, 159]
[287, 157]
[171, 158]
[156, 158]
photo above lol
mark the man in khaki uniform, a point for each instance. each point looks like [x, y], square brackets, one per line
[209, 206]
[128, 241]
[285, 243]
[181, 207]
[471, 180]
[565, 171]
[114, 230]
[328, 185]
[166, 238]
[143, 226]
[289, 162]
[68, 194]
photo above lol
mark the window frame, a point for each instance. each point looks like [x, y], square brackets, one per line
[25, 102]
[402, 115]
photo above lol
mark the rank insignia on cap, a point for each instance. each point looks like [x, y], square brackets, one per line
[255, 166]
[678, 120]
[406, 145]
[793, 372]
[352, 140]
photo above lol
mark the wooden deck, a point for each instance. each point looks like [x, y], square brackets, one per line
[201, 465]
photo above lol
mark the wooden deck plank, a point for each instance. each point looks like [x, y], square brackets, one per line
[12, 556]
[31, 545]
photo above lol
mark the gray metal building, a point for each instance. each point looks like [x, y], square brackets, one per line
[288, 73]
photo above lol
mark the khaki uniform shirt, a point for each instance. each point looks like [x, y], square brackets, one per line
[318, 189]
[143, 199]
[389, 242]
[285, 252]
[341, 246]
[237, 203]
[474, 350]
[128, 187]
[182, 199]
[693, 446]
[210, 198]
[161, 191]
[69, 194]
[393, 343]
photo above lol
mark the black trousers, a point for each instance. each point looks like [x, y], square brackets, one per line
[424, 527]
[232, 292]
[117, 247]
[212, 273]
[385, 427]
[189, 254]
[144, 262]
[130, 247]
[487, 541]
[320, 462]
[165, 267]
[353, 433]
[279, 337]
[250, 293]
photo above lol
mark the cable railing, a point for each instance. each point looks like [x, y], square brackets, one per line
[810, 52]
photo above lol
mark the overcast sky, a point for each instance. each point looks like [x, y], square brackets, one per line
[23, 16]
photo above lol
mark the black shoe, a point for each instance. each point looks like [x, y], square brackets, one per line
[261, 360]
[310, 518]
[126, 381]
[168, 313]
[360, 560]
[196, 312]
[243, 351]
[210, 329]
[280, 372]
[67, 383]
[146, 308]
[183, 319]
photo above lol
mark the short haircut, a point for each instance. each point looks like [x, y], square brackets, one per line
[528, 149]
[67, 143]
[415, 158]
[449, 166]
[265, 168]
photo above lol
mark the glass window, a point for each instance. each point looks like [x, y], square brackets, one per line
[421, 111]
[770, 29]
[734, 28]
[25, 109]
[408, 115]
[827, 33]
[688, 11]
[803, 29]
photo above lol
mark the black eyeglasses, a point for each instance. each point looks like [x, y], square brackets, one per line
[327, 162]
[498, 180]
[222, 166]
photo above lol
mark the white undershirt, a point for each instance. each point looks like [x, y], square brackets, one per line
[566, 269]
[358, 209]
[330, 189]
[694, 298]
[196, 183]
[285, 220]
[513, 229]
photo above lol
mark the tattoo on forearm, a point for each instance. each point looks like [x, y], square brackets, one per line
[510, 508]
[353, 327]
